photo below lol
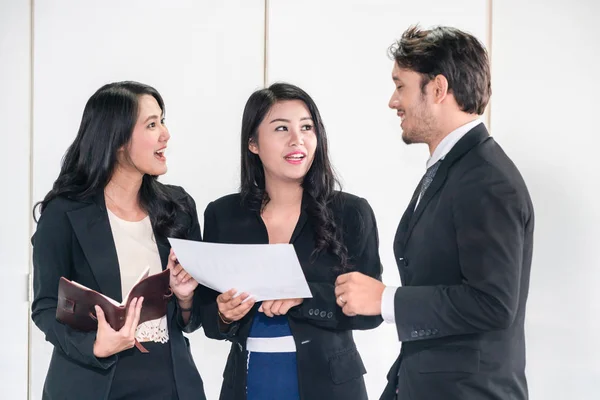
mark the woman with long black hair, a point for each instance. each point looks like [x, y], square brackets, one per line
[290, 348]
[105, 220]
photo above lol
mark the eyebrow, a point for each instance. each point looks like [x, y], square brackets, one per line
[151, 117]
[288, 121]
[396, 79]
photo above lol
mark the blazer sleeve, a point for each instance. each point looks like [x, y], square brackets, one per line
[52, 258]
[362, 242]
[490, 217]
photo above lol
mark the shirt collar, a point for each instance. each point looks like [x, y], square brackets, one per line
[450, 140]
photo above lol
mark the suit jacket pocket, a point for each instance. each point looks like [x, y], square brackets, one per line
[345, 366]
[449, 359]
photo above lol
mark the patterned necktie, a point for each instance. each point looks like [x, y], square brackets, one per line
[428, 178]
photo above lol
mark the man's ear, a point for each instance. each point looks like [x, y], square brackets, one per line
[440, 88]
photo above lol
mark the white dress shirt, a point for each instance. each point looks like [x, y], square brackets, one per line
[387, 299]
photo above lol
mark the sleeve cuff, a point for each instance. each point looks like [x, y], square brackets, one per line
[387, 304]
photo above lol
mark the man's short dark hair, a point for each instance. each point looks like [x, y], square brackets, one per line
[450, 52]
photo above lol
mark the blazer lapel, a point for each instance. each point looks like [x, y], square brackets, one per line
[406, 217]
[92, 229]
[438, 180]
[474, 137]
[164, 248]
[302, 219]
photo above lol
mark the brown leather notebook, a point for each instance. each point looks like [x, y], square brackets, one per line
[76, 303]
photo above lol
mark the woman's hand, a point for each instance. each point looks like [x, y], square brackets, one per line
[108, 341]
[231, 308]
[278, 307]
[182, 284]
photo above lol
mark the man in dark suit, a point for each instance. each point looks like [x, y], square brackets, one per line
[464, 244]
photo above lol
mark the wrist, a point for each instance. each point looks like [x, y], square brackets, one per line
[186, 303]
[98, 351]
[224, 319]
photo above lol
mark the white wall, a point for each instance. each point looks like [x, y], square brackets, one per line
[545, 114]
[14, 201]
[207, 57]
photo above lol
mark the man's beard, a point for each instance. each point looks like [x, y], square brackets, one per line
[423, 126]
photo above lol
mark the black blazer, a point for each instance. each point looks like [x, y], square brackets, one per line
[329, 365]
[74, 239]
[464, 257]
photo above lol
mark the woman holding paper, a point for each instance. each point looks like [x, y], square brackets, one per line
[291, 348]
[106, 219]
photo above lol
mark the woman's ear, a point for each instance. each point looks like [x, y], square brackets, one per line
[253, 146]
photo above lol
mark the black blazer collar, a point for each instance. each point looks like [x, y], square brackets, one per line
[471, 139]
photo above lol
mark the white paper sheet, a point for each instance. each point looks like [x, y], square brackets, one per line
[265, 271]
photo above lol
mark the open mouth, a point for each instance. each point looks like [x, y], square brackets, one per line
[160, 154]
[402, 117]
[295, 158]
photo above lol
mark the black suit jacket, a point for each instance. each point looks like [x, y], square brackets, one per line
[464, 257]
[329, 365]
[74, 239]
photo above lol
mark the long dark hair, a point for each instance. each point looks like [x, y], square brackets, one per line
[320, 182]
[90, 161]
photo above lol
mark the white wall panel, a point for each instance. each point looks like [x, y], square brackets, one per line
[15, 71]
[544, 113]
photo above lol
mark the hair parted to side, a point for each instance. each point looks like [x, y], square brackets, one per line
[459, 56]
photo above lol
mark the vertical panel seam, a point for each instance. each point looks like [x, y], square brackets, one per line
[30, 208]
[266, 45]
[490, 18]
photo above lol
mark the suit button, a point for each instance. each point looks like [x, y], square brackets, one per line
[421, 333]
[310, 312]
[414, 334]
[428, 332]
[329, 314]
[323, 314]
[316, 312]
[434, 331]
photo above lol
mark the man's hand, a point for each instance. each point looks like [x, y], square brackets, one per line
[358, 294]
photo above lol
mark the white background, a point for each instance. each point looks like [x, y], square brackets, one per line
[207, 57]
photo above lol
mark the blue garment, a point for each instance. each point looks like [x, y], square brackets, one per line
[271, 376]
